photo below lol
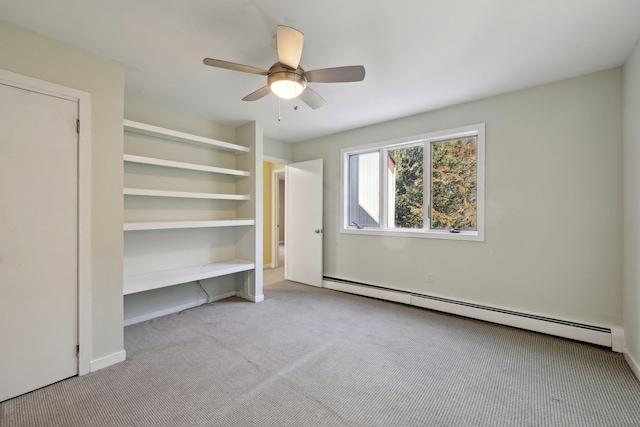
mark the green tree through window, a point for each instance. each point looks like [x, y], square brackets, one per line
[409, 183]
[453, 185]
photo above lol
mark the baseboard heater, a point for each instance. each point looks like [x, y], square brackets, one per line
[601, 335]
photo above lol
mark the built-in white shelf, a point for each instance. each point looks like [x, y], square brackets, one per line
[137, 245]
[183, 194]
[173, 135]
[165, 225]
[160, 279]
[181, 165]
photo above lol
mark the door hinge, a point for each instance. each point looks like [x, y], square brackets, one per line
[78, 126]
[78, 350]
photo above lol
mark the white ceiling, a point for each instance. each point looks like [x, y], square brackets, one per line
[419, 54]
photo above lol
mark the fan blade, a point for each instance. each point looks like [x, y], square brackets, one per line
[312, 99]
[260, 93]
[290, 42]
[235, 67]
[353, 73]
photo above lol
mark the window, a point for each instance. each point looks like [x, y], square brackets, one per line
[454, 184]
[430, 185]
[406, 187]
[364, 194]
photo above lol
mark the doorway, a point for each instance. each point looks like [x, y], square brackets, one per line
[293, 207]
[278, 218]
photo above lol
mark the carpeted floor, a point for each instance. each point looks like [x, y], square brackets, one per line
[315, 357]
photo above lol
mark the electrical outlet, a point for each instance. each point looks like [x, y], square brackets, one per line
[430, 278]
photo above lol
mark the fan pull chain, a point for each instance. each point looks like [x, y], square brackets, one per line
[279, 117]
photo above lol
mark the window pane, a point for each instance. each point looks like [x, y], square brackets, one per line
[453, 184]
[364, 190]
[405, 187]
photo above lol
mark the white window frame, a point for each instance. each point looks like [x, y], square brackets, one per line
[477, 130]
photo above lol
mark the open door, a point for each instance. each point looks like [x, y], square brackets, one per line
[303, 223]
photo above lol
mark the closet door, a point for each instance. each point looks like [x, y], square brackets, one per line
[38, 240]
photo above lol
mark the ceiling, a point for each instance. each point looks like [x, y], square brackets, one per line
[419, 55]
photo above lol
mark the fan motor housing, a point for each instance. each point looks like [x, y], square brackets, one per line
[279, 72]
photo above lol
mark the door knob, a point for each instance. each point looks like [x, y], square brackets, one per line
[318, 230]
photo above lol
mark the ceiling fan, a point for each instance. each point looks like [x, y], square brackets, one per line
[286, 78]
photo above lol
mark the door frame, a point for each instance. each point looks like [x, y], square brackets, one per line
[84, 200]
[275, 209]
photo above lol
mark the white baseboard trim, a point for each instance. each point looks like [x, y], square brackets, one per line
[230, 294]
[595, 334]
[252, 298]
[633, 363]
[111, 359]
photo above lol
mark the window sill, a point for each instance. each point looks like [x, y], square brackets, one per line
[472, 236]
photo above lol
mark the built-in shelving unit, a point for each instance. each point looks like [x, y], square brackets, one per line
[155, 151]
[183, 194]
[166, 225]
[181, 165]
[160, 279]
[158, 132]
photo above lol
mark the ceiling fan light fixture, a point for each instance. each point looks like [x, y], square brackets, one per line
[287, 84]
[286, 79]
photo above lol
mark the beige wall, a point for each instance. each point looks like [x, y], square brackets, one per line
[145, 111]
[30, 54]
[632, 206]
[277, 149]
[553, 205]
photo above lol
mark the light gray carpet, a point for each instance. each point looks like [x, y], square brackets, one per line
[315, 357]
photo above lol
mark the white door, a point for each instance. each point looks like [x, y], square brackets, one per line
[303, 222]
[38, 240]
